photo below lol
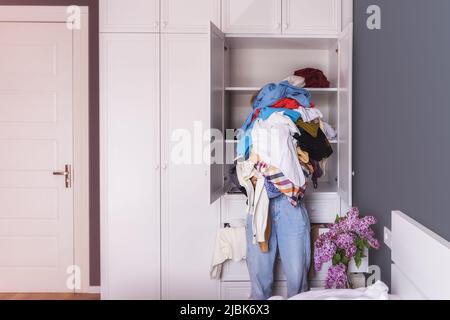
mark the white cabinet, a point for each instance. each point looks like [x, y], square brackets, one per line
[289, 17]
[311, 17]
[130, 174]
[167, 16]
[189, 222]
[163, 86]
[251, 16]
[129, 15]
[193, 16]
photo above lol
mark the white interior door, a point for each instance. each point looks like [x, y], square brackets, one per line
[36, 208]
[345, 171]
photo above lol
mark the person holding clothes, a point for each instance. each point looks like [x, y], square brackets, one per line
[283, 142]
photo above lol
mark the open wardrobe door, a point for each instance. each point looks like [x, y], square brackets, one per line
[345, 172]
[217, 87]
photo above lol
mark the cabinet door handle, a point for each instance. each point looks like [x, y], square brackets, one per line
[164, 167]
[156, 24]
[165, 23]
[286, 26]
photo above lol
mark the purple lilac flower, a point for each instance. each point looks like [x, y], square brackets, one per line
[346, 242]
[324, 251]
[337, 277]
[343, 236]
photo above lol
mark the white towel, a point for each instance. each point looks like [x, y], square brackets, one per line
[231, 244]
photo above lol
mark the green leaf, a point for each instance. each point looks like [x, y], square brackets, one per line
[345, 260]
[358, 258]
[337, 259]
[338, 219]
[360, 244]
[366, 244]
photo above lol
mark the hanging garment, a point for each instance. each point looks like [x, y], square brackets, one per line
[264, 246]
[310, 114]
[258, 200]
[273, 142]
[318, 173]
[314, 78]
[312, 128]
[328, 130]
[296, 81]
[235, 181]
[231, 244]
[303, 156]
[318, 148]
[292, 192]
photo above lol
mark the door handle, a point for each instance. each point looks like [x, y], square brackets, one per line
[67, 173]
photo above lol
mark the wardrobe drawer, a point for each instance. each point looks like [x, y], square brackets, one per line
[322, 208]
[237, 271]
[242, 290]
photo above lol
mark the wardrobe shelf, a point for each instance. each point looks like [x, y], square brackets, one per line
[256, 89]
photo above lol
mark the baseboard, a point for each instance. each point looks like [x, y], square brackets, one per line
[94, 290]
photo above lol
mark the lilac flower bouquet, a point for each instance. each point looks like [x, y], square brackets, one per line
[347, 239]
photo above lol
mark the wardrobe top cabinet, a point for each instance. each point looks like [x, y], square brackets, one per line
[282, 17]
[153, 16]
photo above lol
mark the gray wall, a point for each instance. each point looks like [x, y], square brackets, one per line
[94, 232]
[402, 115]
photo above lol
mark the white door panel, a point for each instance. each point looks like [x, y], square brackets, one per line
[217, 87]
[130, 160]
[189, 222]
[193, 16]
[36, 209]
[129, 15]
[345, 115]
[311, 17]
[251, 16]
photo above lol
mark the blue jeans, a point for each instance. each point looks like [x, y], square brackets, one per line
[291, 237]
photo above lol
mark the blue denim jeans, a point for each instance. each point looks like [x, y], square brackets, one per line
[291, 238]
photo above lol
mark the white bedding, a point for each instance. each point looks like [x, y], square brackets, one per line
[378, 291]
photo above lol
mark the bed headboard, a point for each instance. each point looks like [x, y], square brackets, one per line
[420, 261]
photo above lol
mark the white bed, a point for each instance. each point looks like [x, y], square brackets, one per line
[419, 271]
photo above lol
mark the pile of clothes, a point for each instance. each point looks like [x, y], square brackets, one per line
[282, 144]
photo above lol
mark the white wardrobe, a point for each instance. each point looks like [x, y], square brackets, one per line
[171, 69]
